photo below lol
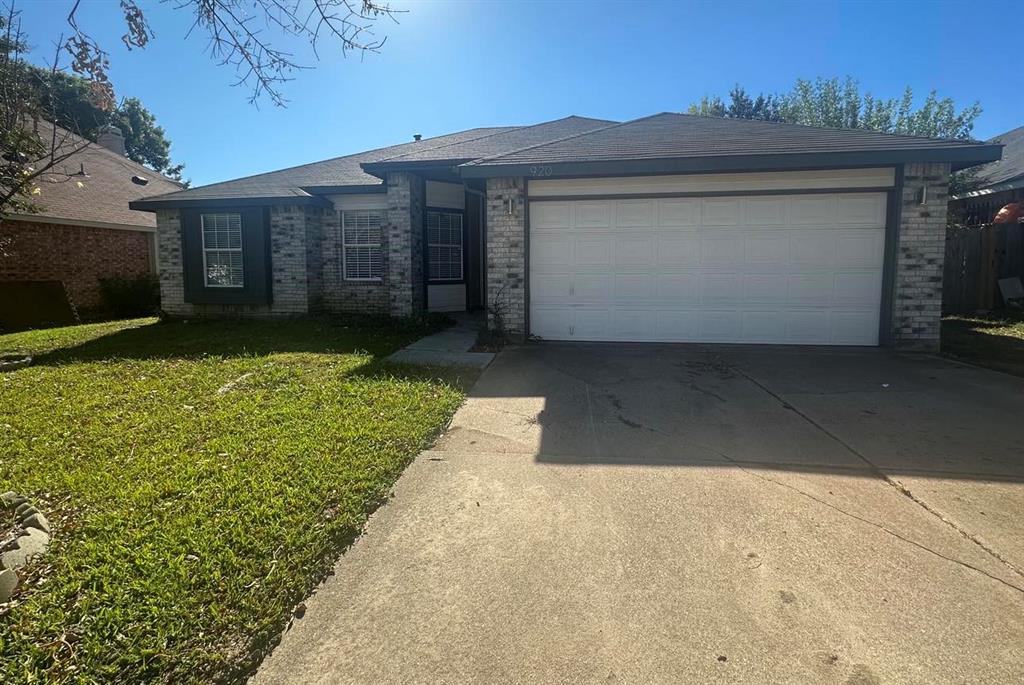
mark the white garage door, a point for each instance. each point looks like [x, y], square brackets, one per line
[798, 269]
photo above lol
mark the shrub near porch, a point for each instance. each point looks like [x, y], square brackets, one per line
[202, 478]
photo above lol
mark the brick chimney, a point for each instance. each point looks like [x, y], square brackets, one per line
[111, 138]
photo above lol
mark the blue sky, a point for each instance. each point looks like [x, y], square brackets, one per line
[456, 64]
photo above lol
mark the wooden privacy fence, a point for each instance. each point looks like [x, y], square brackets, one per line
[976, 258]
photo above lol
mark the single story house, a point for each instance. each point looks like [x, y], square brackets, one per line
[668, 228]
[995, 184]
[84, 230]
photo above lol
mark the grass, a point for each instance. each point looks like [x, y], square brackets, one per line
[994, 340]
[202, 479]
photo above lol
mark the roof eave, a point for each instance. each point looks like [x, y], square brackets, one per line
[961, 157]
[154, 204]
[379, 169]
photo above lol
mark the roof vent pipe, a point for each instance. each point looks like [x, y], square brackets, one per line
[416, 137]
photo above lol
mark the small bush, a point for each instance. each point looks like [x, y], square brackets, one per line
[132, 296]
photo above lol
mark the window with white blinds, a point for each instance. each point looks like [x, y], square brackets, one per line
[361, 231]
[444, 245]
[222, 250]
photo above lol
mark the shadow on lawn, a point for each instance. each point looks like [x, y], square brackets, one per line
[242, 338]
[978, 340]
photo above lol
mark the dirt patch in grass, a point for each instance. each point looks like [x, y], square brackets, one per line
[202, 478]
[994, 340]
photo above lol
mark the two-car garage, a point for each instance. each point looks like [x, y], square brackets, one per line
[785, 257]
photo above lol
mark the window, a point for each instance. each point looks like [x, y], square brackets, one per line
[361, 238]
[444, 244]
[222, 250]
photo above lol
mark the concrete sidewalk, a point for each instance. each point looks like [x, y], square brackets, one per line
[450, 347]
[689, 514]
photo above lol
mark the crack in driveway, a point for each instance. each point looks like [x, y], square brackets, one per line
[892, 482]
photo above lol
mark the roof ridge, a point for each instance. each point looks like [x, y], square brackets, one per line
[516, 128]
[824, 128]
[558, 140]
[351, 154]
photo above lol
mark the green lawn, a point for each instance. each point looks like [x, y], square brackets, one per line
[202, 478]
[994, 340]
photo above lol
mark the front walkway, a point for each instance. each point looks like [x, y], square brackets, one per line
[450, 347]
[690, 514]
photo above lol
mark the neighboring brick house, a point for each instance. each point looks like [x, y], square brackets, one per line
[669, 228]
[85, 230]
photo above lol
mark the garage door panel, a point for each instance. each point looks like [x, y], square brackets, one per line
[681, 288]
[855, 327]
[591, 288]
[812, 210]
[592, 215]
[855, 288]
[801, 269]
[550, 215]
[718, 289]
[726, 248]
[552, 323]
[681, 213]
[677, 325]
[548, 287]
[767, 248]
[810, 289]
[770, 289]
[591, 324]
[811, 327]
[593, 251]
[864, 209]
[813, 248]
[765, 211]
[859, 248]
[720, 212]
[633, 287]
[720, 326]
[634, 213]
[634, 251]
[678, 250]
[633, 324]
[547, 250]
[763, 327]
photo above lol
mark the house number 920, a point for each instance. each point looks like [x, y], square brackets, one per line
[540, 171]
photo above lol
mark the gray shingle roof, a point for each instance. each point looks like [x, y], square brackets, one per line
[339, 171]
[102, 194]
[669, 135]
[505, 141]
[1011, 166]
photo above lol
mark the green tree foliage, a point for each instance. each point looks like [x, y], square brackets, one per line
[839, 103]
[70, 101]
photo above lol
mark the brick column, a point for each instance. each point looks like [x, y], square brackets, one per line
[172, 270]
[406, 288]
[506, 254]
[917, 296]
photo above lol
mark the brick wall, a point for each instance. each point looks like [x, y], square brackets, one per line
[506, 253]
[343, 296]
[77, 255]
[917, 295]
[404, 254]
[288, 231]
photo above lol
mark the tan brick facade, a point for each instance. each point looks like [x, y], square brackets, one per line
[79, 256]
[506, 253]
[917, 292]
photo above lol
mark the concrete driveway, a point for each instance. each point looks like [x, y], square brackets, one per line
[637, 514]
